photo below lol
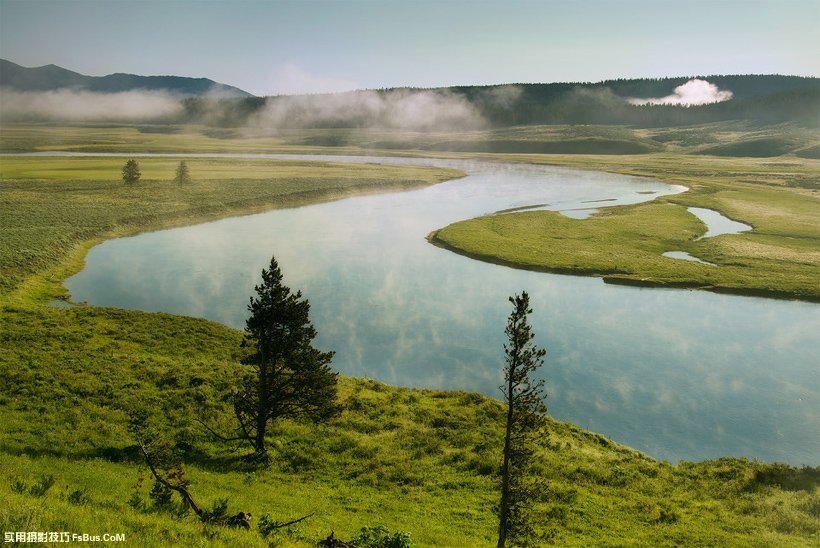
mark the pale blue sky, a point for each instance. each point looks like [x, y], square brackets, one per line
[268, 47]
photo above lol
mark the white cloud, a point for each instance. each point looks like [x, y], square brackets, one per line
[693, 92]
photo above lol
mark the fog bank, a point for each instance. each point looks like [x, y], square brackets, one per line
[85, 106]
[396, 109]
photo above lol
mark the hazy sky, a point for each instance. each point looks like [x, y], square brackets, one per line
[269, 46]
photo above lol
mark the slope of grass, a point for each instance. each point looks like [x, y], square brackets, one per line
[779, 257]
[420, 461]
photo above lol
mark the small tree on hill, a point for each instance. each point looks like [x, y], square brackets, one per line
[131, 172]
[182, 175]
[288, 377]
[526, 410]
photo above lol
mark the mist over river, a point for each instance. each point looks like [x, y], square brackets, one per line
[677, 374]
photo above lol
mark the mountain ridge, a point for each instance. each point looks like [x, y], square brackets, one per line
[52, 77]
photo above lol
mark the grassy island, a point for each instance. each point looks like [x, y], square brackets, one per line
[779, 257]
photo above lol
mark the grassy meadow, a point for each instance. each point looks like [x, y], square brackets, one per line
[419, 461]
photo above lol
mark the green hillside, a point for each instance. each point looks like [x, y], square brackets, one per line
[419, 461]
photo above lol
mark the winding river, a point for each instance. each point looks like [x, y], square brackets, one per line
[676, 374]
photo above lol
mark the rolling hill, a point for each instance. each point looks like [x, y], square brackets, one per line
[52, 77]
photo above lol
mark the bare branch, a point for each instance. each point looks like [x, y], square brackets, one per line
[179, 488]
[217, 434]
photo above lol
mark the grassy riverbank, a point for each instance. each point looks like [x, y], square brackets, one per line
[780, 257]
[54, 209]
[420, 461]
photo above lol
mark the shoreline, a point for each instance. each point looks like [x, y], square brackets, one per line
[621, 278]
[47, 285]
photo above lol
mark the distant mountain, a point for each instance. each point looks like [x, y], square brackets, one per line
[52, 77]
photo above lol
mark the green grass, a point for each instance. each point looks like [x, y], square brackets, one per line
[421, 461]
[112, 138]
[757, 148]
[53, 209]
[779, 257]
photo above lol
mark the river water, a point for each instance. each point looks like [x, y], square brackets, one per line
[677, 374]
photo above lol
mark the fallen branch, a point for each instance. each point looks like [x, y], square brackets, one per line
[180, 487]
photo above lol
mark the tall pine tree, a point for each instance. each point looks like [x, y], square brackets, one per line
[526, 410]
[288, 377]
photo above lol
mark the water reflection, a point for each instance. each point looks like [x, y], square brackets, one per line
[677, 374]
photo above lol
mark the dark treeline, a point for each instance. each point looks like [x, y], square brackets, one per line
[742, 86]
[580, 107]
[765, 99]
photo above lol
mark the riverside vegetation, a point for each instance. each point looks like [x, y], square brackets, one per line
[419, 461]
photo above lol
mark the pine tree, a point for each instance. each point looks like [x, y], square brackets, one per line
[288, 377]
[131, 172]
[182, 175]
[526, 410]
